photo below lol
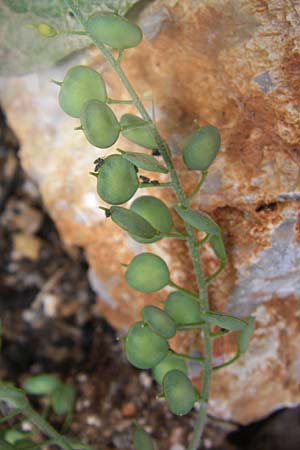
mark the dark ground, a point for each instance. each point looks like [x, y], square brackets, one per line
[49, 325]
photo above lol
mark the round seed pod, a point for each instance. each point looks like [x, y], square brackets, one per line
[144, 348]
[114, 30]
[201, 148]
[81, 84]
[159, 321]
[117, 180]
[42, 384]
[179, 392]
[100, 125]
[147, 273]
[137, 130]
[182, 308]
[170, 362]
[155, 212]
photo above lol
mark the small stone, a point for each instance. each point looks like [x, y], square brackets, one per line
[128, 409]
[27, 246]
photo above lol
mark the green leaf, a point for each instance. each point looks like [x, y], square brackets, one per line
[246, 335]
[218, 247]
[23, 50]
[132, 222]
[141, 439]
[42, 384]
[198, 219]
[143, 161]
[63, 399]
[225, 321]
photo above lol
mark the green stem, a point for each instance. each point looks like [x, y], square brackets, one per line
[192, 241]
[46, 428]
[227, 363]
[152, 185]
[198, 187]
[184, 290]
[217, 334]
[118, 102]
[176, 236]
[198, 359]
[190, 326]
[217, 272]
[202, 242]
[10, 416]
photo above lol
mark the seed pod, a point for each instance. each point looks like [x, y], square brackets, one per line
[225, 321]
[143, 161]
[218, 247]
[138, 131]
[132, 222]
[159, 321]
[156, 213]
[144, 348]
[198, 219]
[246, 335]
[117, 180]
[201, 148]
[147, 273]
[141, 439]
[81, 84]
[63, 399]
[42, 384]
[179, 392]
[170, 362]
[114, 30]
[182, 308]
[100, 125]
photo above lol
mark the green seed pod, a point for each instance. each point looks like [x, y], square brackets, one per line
[144, 348]
[198, 219]
[182, 308]
[246, 335]
[179, 392]
[170, 362]
[141, 439]
[218, 247]
[81, 84]
[201, 148]
[43, 384]
[156, 213]
[114, 30]
[147, 273]
[63, 399]
[132, 222]
[225, 321]
[100, 125]
[159, 321]
[138, 131]
[117, 181]
[143, 161]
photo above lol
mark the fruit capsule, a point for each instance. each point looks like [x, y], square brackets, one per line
[99, 124]
[159, 321]
[132, 222]
[201, 148]
[218, 247]
[117, 180]
[246, 335]
[179, 392]
[141, 439]
[155, 212]
[138, 131]
[170, 362]
[225, 321]
[81, 84]
[114, 30]
[198, 219]
[147, 273]
[182, 308]
[143, 161]
[144, 348]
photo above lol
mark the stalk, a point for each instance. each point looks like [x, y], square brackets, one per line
[191, 238]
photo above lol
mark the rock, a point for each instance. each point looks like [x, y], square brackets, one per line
[238, 69]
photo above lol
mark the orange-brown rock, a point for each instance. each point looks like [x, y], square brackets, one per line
[235, 65]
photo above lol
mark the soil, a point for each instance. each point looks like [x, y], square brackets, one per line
[50, 325]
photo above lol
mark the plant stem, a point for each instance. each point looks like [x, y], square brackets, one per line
[217, 272]
[198, 187]
[228, 363]
[150, 185]
[192, 241]
[111, 101]
[185, 291]
[198, 359]
[46, 428]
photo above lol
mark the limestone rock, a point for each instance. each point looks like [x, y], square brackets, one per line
[236, 67]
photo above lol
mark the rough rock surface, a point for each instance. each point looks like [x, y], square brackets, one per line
[237, 67]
